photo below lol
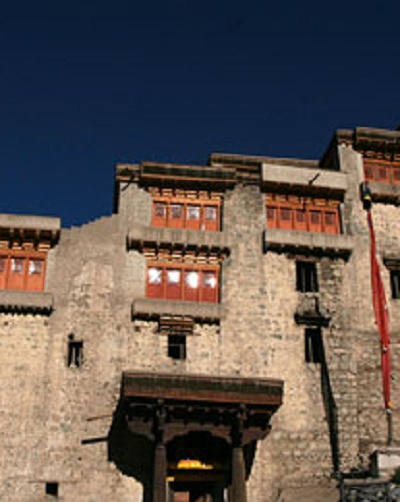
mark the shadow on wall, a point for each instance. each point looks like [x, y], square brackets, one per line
[132, 453]
[330, 411]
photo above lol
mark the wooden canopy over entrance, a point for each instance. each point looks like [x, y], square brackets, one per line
[233, 412]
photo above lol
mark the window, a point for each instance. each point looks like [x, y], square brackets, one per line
[177, 346]
[314, 351]
[381, 170]
[51, 489]
[183, 281]
[304, 214]
[197, 210]
[306, 277]
[395, 284]
[22, 270]
[75, 352]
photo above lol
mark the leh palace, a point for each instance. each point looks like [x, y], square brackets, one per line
[231, 333]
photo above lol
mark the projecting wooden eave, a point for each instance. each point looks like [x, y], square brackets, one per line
[35, 229]
[185, 241]
[161, 174]
[213, 389]
[200, 403]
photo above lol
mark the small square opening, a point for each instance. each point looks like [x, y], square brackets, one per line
[177, 347]
[51, 489]
[75, 352]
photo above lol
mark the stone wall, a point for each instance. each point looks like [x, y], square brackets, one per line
[58, 423]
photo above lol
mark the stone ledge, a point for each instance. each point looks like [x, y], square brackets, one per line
[385, 461]
[309, 311]
[384, 192]
[19, 221]
[311, 242]
[26, 302]
[322, 179]
[148, 308]
[139, 236]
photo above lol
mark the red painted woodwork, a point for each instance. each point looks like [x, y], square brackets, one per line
[181, 212]
[209, 290]
[382, 171]
[187, 282]
[3, 271]
[174, 284]
[315, 220]
[272, 217]
[193, 216]
[396, 174]
[191, 287]
[304, 214]
[211, 217]
[22, 270]
[300, 219]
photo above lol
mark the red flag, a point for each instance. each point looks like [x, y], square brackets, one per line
[381, 314]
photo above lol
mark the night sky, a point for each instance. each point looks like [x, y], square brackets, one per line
[85, 85]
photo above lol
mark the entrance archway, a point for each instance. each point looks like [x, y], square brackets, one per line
[198, 466]
[204, 431]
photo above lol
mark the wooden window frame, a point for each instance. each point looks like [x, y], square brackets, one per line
[182, 292]
[202, 223]
[306, 277]
[381, 171]
[26, 281]
[307, 206]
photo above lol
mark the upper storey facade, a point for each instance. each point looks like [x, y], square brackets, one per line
[250, 271]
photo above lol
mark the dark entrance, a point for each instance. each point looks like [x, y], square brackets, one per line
[203, 431]
[198, 467]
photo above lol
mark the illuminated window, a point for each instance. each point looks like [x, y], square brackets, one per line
[154, 275]
[185, 282]
[173, 276]
[210, 280]
[192, 279]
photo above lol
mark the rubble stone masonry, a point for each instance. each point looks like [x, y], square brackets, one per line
[58, 423]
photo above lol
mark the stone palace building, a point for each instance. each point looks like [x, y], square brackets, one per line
[213, 340]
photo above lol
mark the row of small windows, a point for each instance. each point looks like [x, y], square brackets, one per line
[303, 214]
[383, 171]
[183, 214]
[183, 282]
[176, 348]
[22, 270]
[283, 211]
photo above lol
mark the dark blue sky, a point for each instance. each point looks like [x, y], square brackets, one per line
[85, 85]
